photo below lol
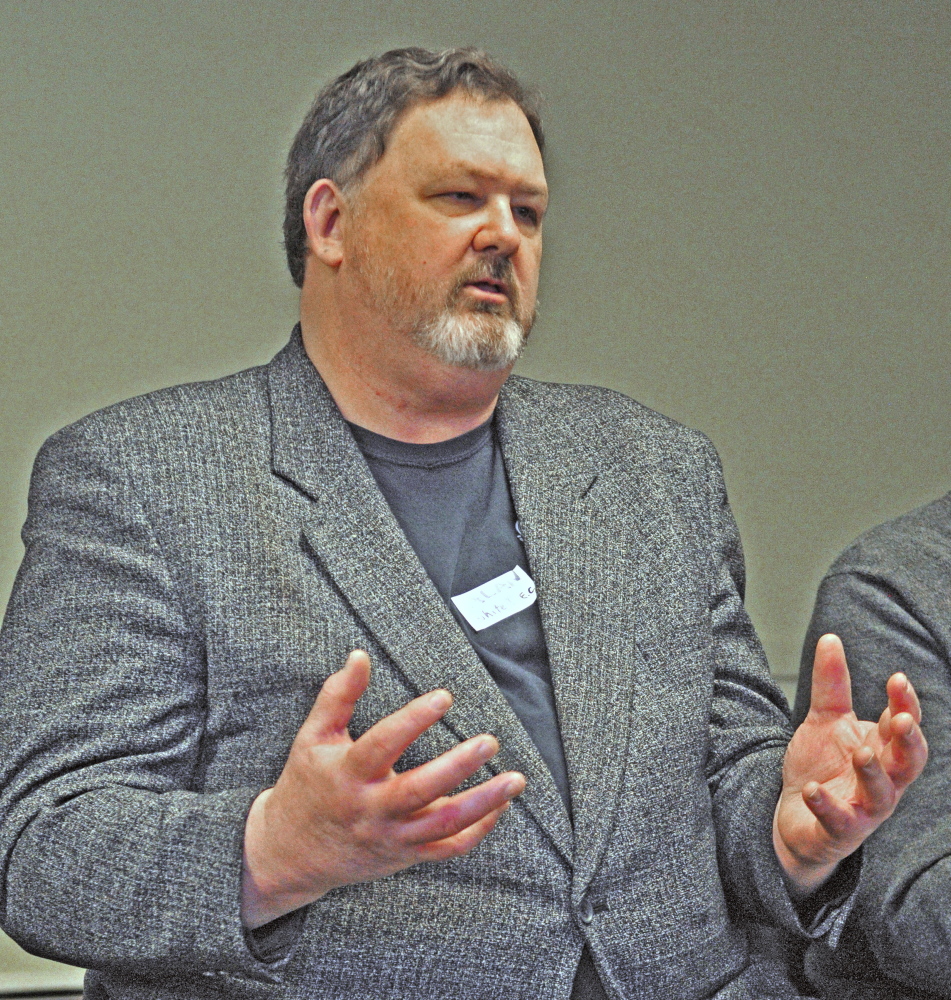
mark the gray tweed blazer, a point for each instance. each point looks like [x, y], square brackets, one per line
[199, 559]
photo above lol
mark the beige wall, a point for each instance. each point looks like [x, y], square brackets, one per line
[749, 230]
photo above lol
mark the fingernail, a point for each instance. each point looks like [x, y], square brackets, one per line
[812, 796]
[487, 747]
[514, 786]
[440, 700]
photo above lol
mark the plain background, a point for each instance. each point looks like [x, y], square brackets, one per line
[749, 229]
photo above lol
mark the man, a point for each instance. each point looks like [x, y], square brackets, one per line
[545, 579]
[889, 597]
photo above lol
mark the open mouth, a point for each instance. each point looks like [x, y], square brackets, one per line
[490, 286]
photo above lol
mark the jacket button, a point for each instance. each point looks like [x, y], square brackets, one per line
[586, 912]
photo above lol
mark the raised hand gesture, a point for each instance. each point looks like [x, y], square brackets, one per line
[842, 777]
[340, 814]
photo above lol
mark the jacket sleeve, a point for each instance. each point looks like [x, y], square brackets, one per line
[749, 731]
[886, 622]
[111, 855]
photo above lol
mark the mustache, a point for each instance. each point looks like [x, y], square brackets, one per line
[494, 269]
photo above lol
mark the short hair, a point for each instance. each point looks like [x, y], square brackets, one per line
[347, 128]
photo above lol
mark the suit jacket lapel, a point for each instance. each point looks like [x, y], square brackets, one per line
[587, 566]
[359, 543]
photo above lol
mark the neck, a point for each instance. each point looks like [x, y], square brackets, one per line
[384, 382]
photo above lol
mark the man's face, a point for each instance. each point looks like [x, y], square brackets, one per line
[445, 238]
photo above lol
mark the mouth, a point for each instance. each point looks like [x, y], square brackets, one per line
[490, 288]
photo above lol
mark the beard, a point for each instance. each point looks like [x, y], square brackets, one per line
[478, 341]
[481, 336]
[486, 336]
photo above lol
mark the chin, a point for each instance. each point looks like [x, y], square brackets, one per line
[479, 342]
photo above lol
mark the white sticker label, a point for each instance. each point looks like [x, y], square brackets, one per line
[497, 599]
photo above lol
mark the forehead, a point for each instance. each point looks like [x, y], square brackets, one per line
[460, 133]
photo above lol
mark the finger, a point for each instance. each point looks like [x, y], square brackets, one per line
[831, 687]
[414, 790]
[449, 816]
[333, 709]
[373, 755]
[461, 843]
[906, 753]
[902, 697]
[876, 792]
[885, 726]
[836, 816]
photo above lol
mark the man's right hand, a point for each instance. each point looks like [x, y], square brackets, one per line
[340, 814]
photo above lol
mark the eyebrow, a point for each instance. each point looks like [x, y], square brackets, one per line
[527, 189]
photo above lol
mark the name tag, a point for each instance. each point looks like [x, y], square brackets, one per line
[497, 599]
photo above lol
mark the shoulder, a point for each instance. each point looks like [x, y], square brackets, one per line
[886, 596]
[164, 456]
[915, 544]
[592, 407]
[608, 422]
[181, 419]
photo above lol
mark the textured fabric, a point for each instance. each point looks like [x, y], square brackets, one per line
[888, 597]
[198, 561]
[453, 503]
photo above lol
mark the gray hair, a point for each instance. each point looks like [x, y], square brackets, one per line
[346, 130]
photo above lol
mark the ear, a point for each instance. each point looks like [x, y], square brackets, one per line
[322, 208]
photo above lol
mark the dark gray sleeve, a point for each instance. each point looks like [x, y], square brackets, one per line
[112, 857]
[749, 732]
[902, 915]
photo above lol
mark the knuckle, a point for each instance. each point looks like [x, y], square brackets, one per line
[350, 814]
[376, 741]
[372, 837]
[414, 713]
[334, 686]
[447, 822]
[348, 823]
[412, 795]
[442, 828]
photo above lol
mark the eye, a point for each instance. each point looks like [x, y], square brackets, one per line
[527, 214]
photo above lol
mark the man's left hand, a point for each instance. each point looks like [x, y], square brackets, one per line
[842, 777]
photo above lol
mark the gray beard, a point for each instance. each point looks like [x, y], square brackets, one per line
[480, 341]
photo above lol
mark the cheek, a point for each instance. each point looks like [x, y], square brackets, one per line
[529, 272]
[428, 245]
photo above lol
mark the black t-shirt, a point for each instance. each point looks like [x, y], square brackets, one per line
[452, 501]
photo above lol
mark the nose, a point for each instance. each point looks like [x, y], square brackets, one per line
[499, 232]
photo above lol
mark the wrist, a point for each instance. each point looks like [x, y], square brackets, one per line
[803, 875]
[271, 883]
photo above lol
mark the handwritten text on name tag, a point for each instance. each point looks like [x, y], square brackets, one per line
[497, 599]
